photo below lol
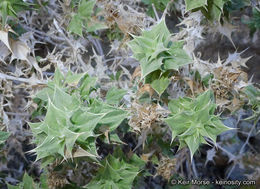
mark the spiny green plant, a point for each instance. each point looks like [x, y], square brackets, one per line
[212, 9]
[116, 173]
[11, 8]
[83, 18]
[73, 118]
[158, 55]
[193, 119]
[28, 183]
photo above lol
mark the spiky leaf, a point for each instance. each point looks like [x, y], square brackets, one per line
[155, 50]
[114, 173]
[114, 95]
[194, 119]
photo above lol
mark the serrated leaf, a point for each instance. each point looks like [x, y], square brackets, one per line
[193, 144]
[114, 174]
[253, 95]
[95, 25]
[160, 85]
[149, 67]
[113, 118]
[86, 84]
[193, 119]
[27, 183]
[178, 59]
[58, 78]
[193, 4]
[114, 95]
[156, 52]
[73, 79]
[3, 136]
[85, 9]
[76, 25]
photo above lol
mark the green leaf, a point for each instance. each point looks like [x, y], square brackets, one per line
[253, 95]
[3, 137]
[193, 119]
[76, 25]
[156, 52]
[11, 8]
[86, 85]
[95, 25]
[193, 144]
[73, 117]
[114, 95]
[58, 78]
[193, 4]
[114, 173]
[212, 9]
[179, 57]
[113, 118]
[160, 85]
[27, 183]
[149, 67]
[86, 8]
[73, 79]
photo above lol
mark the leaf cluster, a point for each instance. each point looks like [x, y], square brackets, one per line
[11, 8]
[83, 18]
[254, 22]
[194, 119]
[116, 173]
[212, 9]
[73, 118]
[158, 55]
[28, 183]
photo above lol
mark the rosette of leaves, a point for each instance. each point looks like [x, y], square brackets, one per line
[83, 18]
[194, 119]
[116, 173]
[72, 118]
[212, 9]
[158, 55]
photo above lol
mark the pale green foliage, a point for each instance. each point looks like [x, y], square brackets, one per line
[193, 4]
[115, 174]
[28, 183]
[3, 137]
[159, 85]
[69, 120]
[83, 18]
[155, 51]
[253, 95]
[212, 9]
[114, 95]
[11, 8]
[194, 119]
